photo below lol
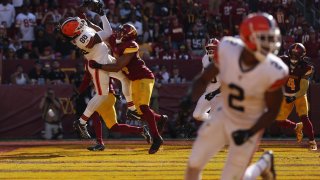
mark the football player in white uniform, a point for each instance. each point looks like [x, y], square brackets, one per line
[211, 96]
[251, 79]
[90, 39]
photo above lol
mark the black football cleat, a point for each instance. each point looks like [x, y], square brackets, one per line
[97, 147]
[133, 115]
[162, 122]
[145, 133]
[81, 129]
[156, 144]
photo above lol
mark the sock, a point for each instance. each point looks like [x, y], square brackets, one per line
[148, 116]
[307, 127]
[286, 124]
[83, 119]
[97, 127]
[131, 106]
[255, 170]
[126, 129]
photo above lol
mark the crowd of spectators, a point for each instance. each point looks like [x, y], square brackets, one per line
[167, 29]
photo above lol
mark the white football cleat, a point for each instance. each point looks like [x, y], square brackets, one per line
[269, 173]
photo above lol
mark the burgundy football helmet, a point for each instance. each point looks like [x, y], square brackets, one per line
[126, 32]
[296, 52]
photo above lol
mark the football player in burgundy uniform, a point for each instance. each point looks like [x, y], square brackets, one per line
[125, 50]
[300, 71]
[108, 113]
[251, 79]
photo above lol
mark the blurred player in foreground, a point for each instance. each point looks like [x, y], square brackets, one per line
[300, 71]
[251, 79]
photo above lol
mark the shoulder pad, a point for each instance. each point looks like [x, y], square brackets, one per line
[130, 47]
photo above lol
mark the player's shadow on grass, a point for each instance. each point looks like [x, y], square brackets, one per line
[27, 156]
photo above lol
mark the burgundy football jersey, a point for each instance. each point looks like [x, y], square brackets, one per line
[303, 69]
[136, 69]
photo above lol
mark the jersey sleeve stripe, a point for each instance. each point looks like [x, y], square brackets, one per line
[130, 50]
[278, 84]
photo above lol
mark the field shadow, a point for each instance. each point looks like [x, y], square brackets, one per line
[28, 156]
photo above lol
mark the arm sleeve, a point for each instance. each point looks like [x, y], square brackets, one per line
[107, 30]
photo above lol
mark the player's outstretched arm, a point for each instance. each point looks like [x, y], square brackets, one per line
[201, 81]
[121, 62]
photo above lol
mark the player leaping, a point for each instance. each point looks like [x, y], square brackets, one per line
[211, 97]
[90, 41]
[125, 49]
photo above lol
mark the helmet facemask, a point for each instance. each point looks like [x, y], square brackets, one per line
[266, 42]
[211, 50]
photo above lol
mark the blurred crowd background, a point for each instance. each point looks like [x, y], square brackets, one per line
[168, 30]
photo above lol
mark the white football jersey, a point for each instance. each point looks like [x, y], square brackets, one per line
[7, 14]
[215, 82]
[243, 89]
[26, 24]
[99, 52]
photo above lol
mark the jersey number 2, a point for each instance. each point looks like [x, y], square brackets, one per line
[238, 95]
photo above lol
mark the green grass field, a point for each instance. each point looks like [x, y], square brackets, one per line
[130, 160]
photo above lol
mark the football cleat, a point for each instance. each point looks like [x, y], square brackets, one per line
[145, 133]
[97, 147]
[156, 144]
[81, 129]
[313, 145]
[299, 132]
[269, 173]
[133, 115]
[162, 122]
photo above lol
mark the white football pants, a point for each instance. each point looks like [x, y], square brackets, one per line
[200, 112]
[213, 135]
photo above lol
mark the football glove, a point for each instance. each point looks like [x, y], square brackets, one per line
[241, 136]
[211, 95]
[93, 64]
[96, 6]
[290, 99]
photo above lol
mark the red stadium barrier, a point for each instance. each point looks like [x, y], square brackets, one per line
[188, 69]
[21, 116]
